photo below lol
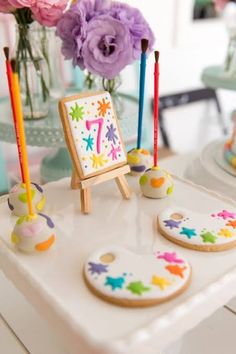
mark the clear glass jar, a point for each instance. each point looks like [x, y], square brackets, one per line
[230, 60]
[50, 47]
[112, 86]
[229, 18]
[33, 73]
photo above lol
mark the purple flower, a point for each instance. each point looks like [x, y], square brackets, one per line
[107, 48]
[71, 28]
[103, 36]
[92, 8]
[138, 26]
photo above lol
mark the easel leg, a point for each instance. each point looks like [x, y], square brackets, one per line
[85, 199]
[74, 180]
[123, 187]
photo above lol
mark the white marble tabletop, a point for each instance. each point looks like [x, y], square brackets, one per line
[54, 285]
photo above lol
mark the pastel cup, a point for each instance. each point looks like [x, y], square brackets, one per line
[156, 183]
[139, 160]
[17, 200]
[33, 233]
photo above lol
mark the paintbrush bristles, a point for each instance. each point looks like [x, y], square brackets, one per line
[157, 54]
[6, 52]
[13, 65]
[144, 45]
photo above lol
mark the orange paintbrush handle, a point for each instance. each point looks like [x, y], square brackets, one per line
[10, 86]
[20, 123]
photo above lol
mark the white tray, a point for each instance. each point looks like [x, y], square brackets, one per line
[53, 281]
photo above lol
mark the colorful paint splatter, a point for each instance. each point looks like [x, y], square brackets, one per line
[77, 112]
[195, 228]
[95, 133]
[127, 275]
[97, 268]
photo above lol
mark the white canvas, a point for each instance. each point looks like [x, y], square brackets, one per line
[95, 133]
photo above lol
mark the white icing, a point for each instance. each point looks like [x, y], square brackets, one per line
[29, 235]
[21, 208]
[80, 131]
[143, 160]
[137, 268]
[152, 192]
[200, 222]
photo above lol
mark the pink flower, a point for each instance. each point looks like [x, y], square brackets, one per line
[22, 3]
[48, 12]
[220, 4]
[5, 6]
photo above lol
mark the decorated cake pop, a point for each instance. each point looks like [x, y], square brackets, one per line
[17, 200]
[140, 159]
[33, 233]
[156, 182]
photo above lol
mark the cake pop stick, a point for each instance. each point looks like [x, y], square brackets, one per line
[10, 87]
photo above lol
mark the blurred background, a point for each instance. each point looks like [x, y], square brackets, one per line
[190, 35]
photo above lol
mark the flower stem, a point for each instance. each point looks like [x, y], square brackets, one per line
[28, 94]
[89, 80]
[108, 85]
[21, 56]
[45, 52]
[25, 54]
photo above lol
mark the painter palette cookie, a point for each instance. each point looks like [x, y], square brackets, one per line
[122, 277]
[214, 231]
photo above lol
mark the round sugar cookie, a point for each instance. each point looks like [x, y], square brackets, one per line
[215, 231]
[124, 278]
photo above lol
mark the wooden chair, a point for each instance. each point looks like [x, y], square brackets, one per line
[183, 98]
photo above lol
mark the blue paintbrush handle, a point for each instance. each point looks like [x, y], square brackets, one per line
[141, 97]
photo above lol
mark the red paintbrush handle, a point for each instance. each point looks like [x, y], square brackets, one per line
[155, 113]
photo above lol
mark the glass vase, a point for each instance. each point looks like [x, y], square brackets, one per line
[230, 60]
[112, 86]
[229, 19]
[50, 47]
[96, 83]
[33, 73]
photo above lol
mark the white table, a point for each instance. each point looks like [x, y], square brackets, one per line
[14, 310]
[211, 170]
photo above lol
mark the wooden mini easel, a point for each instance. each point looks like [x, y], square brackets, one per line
[79, 179]
[86, 184]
